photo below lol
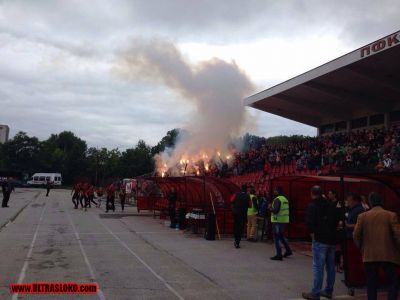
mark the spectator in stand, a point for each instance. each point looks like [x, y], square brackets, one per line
[387, 162]
[267, 168]
[380, 167]
[357, 149]
[321, 220]
[377, 234]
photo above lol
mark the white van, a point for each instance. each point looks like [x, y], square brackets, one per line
[42, 178]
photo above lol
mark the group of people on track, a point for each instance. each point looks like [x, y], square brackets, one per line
[84, 194]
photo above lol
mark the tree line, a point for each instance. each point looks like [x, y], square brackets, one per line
[68, 154]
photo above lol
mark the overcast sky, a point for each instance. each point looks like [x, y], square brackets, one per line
[56, 57]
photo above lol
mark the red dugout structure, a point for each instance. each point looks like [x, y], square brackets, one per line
[192, 192]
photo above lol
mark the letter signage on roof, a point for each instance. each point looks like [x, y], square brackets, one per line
[379, 45]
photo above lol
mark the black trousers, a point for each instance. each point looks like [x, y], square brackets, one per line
[238, 223]
[391, 277]
[172, 215]
[110, 204]
[91, 200]
[123, 204]
[48, 191]
[75, 200]
[81, 198]
[6, 197]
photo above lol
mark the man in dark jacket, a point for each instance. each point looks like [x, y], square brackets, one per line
[48, 187]
[172, 197]
[6, 189]
[355, 209]
[240, 204]
[322, 219]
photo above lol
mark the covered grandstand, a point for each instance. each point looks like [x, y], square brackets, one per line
[341, 98]
[358, 90]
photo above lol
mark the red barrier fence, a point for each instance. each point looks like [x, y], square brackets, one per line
[192, 192]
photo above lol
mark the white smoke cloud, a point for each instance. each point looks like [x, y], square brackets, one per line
[215, 87]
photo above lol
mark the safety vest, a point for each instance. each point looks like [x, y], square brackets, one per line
[283, 215]
[251, 211]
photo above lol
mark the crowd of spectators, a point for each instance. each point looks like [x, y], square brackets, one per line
[364, 150]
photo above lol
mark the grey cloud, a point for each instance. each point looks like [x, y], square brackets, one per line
[54, 71]
[98, 23]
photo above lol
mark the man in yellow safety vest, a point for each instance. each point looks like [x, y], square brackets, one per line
[252, 212]
[279, 218]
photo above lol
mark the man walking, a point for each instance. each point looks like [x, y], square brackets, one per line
[252, 212]
[76, 190]
[48, 187]
[279, 218]
[240, 204]
[322, 219]
[6, 189]
[377, 234]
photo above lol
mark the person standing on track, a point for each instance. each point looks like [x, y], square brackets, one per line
[85, 195]
[48, 186]
[110, 204]
[99, 193]
[75, 194]
[240, 204]
[91, 195]
[252, 213]
[81, 194]
[279, 218]
[6, 189]
[322, 219]
[122, 197]
[377, 234]
[172, 197]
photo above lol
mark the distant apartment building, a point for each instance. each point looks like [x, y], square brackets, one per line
[4, 133]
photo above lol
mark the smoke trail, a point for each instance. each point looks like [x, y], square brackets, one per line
[215, 87]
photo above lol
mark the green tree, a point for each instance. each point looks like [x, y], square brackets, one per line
[21, 153]
[65, 153]
[167, 141]
[137, 161]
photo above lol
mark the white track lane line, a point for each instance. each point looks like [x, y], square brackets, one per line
[167, 285]
[29, 255]
[100, 292]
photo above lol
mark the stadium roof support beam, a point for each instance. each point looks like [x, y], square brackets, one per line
[329, 110]
[374, 77]
[347, 96]
[288, 113]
